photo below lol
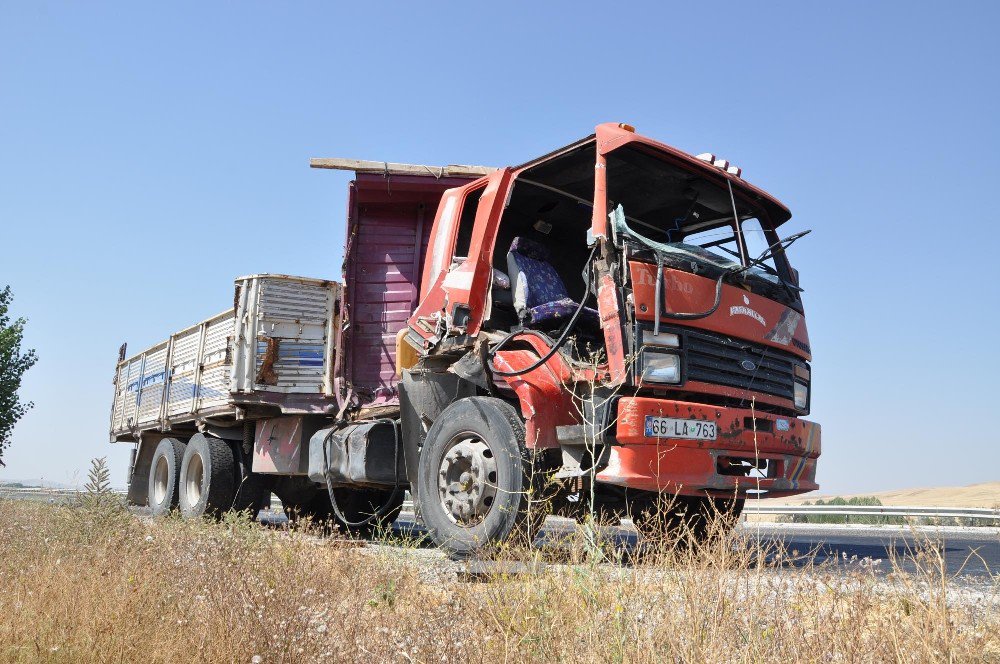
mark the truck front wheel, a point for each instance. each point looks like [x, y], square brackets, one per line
[164, 469]
[474, 475]
[207, 477]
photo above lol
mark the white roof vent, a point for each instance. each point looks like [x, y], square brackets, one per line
[721, 164]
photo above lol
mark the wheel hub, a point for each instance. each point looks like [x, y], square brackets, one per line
[194, 479]
[467, 480]
[161, 480]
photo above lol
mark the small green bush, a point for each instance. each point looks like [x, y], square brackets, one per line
[863, 501]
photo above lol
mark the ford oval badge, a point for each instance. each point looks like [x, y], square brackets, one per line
[748, 365]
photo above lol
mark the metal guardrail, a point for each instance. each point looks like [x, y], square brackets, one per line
[752, 507]
[875, 510]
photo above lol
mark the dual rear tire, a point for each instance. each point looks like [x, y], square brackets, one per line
[164, 470]
[198, 478]
[207, 478]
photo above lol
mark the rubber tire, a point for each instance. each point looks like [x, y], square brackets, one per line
[302, 499]
[252, 494]
[172, 450]
[358, 504]
[218, 484]
[688, 516]
[500, 426]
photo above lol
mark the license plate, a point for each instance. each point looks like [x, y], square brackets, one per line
[671, 427]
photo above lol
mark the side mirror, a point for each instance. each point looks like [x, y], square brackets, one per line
[795, 277]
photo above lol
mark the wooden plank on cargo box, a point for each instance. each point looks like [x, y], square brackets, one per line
[392, 168]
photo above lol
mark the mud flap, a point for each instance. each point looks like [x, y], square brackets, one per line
[422, 396]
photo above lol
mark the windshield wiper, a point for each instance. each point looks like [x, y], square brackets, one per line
[619, 225]
[771, 252]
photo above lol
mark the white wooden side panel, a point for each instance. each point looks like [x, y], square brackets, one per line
[119, 402]
[183, 365]
[151, 385]
[131, 392]
[119, 417]
[216, 362]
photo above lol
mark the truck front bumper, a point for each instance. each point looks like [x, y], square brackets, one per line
[786, 447]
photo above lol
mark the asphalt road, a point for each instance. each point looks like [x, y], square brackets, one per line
[969, 553]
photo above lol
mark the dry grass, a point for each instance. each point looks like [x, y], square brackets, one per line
[95, 584]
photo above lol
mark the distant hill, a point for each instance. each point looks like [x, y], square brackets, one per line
[986, 495]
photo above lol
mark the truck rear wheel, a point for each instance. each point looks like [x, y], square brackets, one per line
[207, 477]
[164, 470]
[358, 505]
[252, 494]
[474, 476]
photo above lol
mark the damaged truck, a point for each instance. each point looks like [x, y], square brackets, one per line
[608, 324]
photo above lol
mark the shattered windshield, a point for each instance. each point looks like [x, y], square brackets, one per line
[688, 223]
[720, 247]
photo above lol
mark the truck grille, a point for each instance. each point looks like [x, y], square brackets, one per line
[721, 360]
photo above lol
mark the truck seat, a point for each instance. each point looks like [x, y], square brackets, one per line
[540, 296]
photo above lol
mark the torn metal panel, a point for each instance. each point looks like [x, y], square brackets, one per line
[545, 393]
[266, 375]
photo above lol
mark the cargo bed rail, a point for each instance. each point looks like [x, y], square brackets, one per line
[274, 349]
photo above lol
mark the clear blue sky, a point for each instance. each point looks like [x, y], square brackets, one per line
[151, 152]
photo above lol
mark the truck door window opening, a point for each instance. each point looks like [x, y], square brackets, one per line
[757, 241]
[551, 217]
[466, 222]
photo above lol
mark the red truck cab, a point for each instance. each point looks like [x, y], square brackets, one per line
[688, 365]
